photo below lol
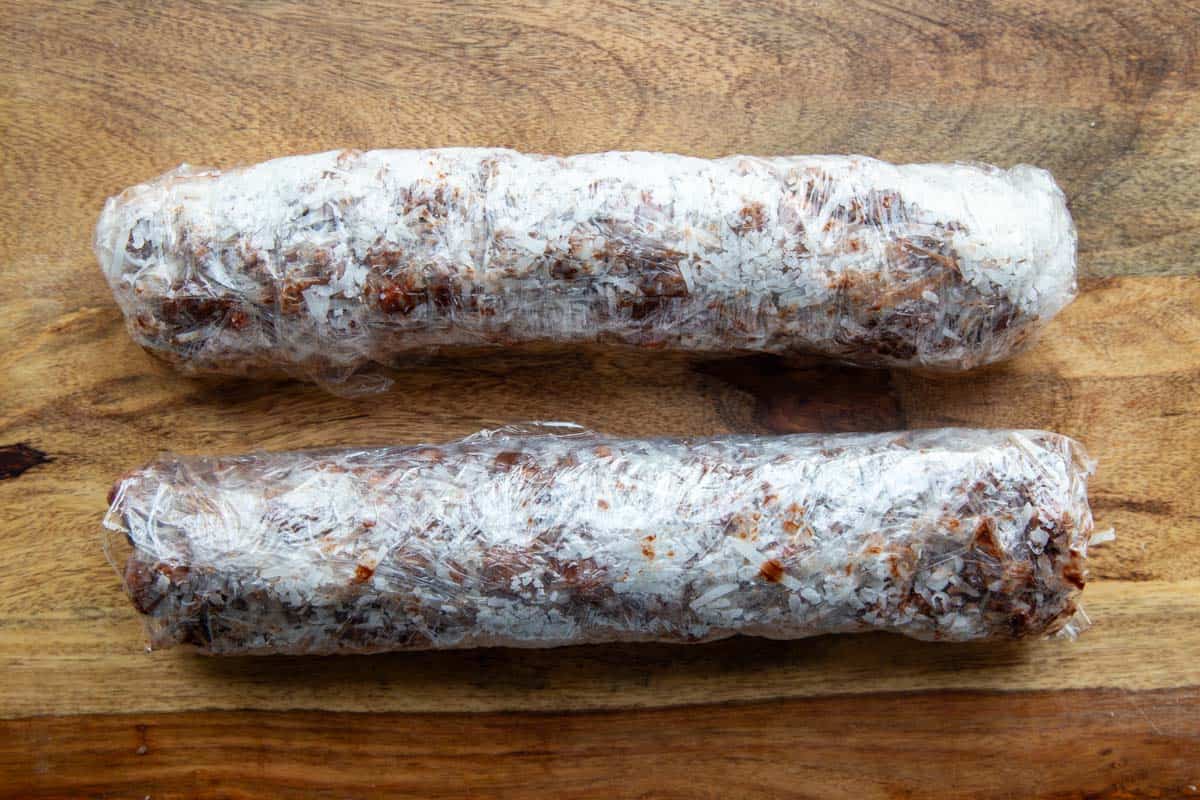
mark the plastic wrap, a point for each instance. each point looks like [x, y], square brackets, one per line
[317, 266]
[562, 536]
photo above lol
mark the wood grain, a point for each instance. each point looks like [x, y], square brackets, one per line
[95, 96]
[1060, 745]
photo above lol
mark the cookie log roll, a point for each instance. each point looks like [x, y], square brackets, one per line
[563, 537]
[317, 266]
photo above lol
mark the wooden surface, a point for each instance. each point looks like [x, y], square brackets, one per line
[1049, 744]
[96, 96]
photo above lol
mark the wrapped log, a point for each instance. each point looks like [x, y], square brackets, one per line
[318, 266]
[554, 536]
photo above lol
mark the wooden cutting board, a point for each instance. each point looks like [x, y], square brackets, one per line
[97, 96]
